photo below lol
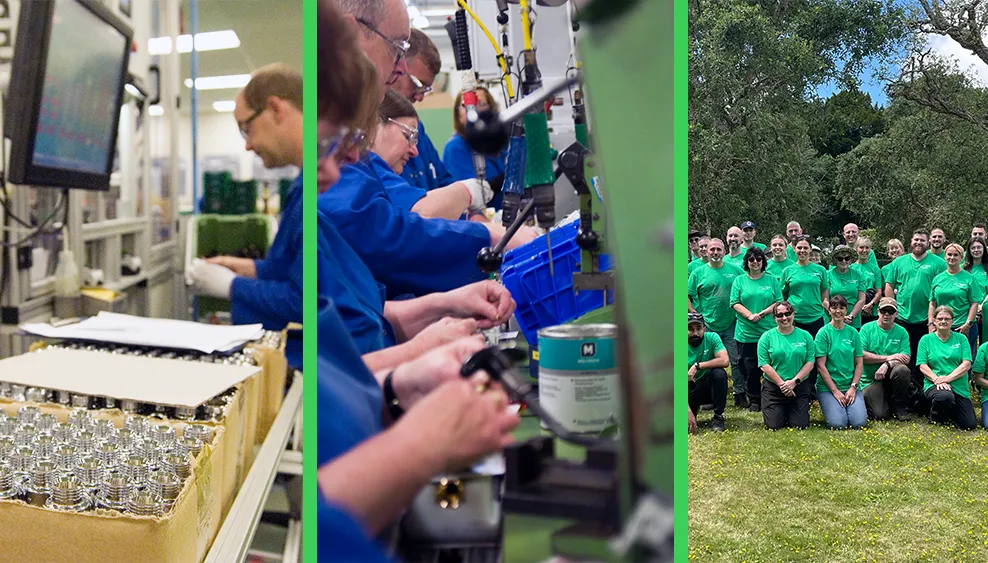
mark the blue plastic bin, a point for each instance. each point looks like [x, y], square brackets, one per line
[544, 299]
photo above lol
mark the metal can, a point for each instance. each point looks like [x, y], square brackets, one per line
[578, 378]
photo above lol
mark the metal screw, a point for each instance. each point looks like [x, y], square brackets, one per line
[8, 485]
[65, 457]
[166, 485]
[192, 445]
[110, 402]
[90, 472]
[28, 414]
[135, 467]
[85, 441]
[143, 502]
[104, 429]
[8, 425]
[164, 435]
[17, 392]
[63, 397]
[68, 495]
[25, 435]
[115, 490]
[125, 439]
[80, 401]
[109, 454]
[138, 425]
[6, 446]
[179, 464]
[129, 406]
[200, 432]
[36, 395]
[148, 450]
[80, 419]
[37, 486]
[63, 432]
[46, 423]
[44, 446]
[22, 460]
[185, 413]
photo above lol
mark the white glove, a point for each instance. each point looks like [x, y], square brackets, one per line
[480, 194]
[211, 280]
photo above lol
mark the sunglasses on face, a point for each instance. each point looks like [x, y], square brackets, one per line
[783, 315]
[842, 259]
[887, 311]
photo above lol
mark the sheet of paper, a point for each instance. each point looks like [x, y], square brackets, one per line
[141, 331]
[148, 380]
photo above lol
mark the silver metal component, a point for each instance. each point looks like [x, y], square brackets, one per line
[46, 423]
[21, 460]
[63, 432]
[144, 502]
[114, 490]
[28, 414]
[109, 403]
[166, 485]
[9, 487]
[191, 445]
[8, 425]
[104, 429]
[125, 439]
[25, 435]
[37, 486]
[129, 406]
[17, 393]
[109, 454]
[63, 397]
[138, 425]
[136, 468]
[185, 413]
[67, 494]
[164, 435]
[148, 449]
[36, 395]
[177, 448]
[200, 432]
[180, 464]
[90, 472]
[65, 457]
[81, 419]
[44, 446]
[86, 441]
[6, 446]
[80, 401]
[4, 389]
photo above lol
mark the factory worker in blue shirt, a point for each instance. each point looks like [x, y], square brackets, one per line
[457, 155]
[269, 115]
[396, 141]
[425, 170]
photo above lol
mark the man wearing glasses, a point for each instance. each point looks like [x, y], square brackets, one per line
[382, 29]
[885, 379]
[269, 115]
[426, 170]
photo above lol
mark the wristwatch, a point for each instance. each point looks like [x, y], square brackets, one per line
[391, 398]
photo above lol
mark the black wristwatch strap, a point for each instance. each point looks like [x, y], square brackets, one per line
[391, 400]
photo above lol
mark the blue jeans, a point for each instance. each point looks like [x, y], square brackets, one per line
[837, 416]
[984, 414]
[737, 378]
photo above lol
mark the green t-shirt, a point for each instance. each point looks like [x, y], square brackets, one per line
[705, 352]
[871, 274]
[913, 280]
[871, 256]
[848, 285]
[876, 340]
[736, 260]
[803, 286]
[980, 366]
[710, 290]
[693, 266]
[791, 253]
[886, 272]
[840, 347]
[753, 245]
[956, 291]
[981, 277]
[786, 354]
[756, 296]
[944, 357]
[776, 268]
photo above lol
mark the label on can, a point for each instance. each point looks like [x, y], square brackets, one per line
[578, 382]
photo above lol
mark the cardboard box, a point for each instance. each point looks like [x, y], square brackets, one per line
[274, 373]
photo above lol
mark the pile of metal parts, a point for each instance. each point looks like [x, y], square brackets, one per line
[87, 463]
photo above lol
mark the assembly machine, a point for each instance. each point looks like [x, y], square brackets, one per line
[589, 128]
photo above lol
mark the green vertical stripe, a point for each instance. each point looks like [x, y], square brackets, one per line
[309, 163]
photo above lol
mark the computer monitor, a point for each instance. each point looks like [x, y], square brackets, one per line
[66, 85]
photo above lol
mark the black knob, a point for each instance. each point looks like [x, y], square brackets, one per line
[588, 240]
[489, 261]
[576, 26]
[502, 18]
[485, 133]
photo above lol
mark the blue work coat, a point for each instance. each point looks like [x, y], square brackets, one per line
[405, 252]
[426, 170]
[459, 161]
[274, 297]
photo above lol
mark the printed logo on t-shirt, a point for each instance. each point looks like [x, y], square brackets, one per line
[799, 344]
[847, 341]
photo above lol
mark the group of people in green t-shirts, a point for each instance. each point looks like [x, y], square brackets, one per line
[866, 342]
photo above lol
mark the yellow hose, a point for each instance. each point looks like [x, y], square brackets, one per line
[497, 49]
[526, 28]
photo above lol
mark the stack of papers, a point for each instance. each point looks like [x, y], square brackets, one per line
[162, 333]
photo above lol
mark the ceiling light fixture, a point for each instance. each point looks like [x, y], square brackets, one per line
[207, 41]
[225, 105]
[219, 82]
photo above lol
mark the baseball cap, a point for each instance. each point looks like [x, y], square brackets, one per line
[747, 225]
[695, 233]
[888, 302]
[695, 318]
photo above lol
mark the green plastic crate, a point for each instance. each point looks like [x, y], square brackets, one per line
[244, 236]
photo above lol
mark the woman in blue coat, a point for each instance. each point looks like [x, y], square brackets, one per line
[457, 155]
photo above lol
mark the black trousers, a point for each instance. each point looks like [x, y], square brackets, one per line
[888, 396]
[711, 388]
[948, 407]
[780, 411]
[918, 401]
[748, 363]
[812, 328]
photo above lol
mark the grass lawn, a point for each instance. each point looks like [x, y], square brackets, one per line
[889, 493]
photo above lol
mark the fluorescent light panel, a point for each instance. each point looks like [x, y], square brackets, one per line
[219, 82]
[156, 110]
[225, 105]
[207, 41]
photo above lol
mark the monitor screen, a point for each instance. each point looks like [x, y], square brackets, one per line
[66, 91]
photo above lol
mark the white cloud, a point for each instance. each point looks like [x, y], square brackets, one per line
[971, 65]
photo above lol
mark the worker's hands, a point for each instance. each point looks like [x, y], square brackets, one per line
[460, 426]
[480, 194]
[488, 302]
[442, 332]
[211, 280]
[243, 267]
[414, 380]
[524, 235]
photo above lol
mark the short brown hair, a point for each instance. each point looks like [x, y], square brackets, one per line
[423, 47]
[275, 80]
[394, 105]
[459, 125]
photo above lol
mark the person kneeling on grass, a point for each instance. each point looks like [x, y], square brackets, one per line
[708, 381]
[979, 368]
[886, 375]
[944, 357]
[785, 355]
[838, 360]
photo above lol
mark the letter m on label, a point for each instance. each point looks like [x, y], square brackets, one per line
[588, 349]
